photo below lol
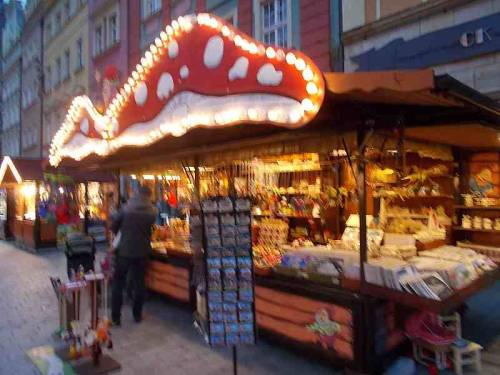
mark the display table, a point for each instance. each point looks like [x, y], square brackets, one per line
[170, 275]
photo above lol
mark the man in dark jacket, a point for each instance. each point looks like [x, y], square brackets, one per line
[134, 222]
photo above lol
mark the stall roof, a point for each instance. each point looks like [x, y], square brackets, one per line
[17, 170]
[454, 113]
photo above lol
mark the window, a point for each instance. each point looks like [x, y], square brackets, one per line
[150, 7]
[48, 27]
[67, 10]
[48, 79]
[98, 40]
[112, 30]
[79, 54]
[58, 70]
[274, 21]
[58, 22]
[66, 64]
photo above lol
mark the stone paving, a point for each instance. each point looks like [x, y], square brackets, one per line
[164, 343]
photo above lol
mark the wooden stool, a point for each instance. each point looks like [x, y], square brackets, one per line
[467, 355]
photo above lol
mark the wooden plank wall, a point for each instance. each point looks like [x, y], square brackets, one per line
[169, 280]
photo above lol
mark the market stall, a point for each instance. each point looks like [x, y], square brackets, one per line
[354, 181]
[41, 205]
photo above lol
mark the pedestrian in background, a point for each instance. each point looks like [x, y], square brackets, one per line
[134, 222]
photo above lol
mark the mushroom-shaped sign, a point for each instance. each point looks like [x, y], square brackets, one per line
[198, 72]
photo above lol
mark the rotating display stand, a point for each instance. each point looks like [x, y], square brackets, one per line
[222, 243]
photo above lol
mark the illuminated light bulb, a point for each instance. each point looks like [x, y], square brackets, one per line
[311, 88]
[272, 115]
[255, 114]
[214, 23]
[308, 74]
[127, 88]
[164, 36]
[280, 55]
[201, 18]
[144, 62]
[169, 30]
[296, 115]
[149, 56]
[300, 64]
[131, 82]
[270, 52]
[153, 49]
[308, 105]
[175, 25]
[238, 40]
[135, 75]
[158, 42]
[290, 58]
[245, 45]
[253, 48]
[225, 30]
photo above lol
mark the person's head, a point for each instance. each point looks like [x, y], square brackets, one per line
[145, 192]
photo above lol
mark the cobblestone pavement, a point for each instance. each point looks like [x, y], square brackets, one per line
[164, 343]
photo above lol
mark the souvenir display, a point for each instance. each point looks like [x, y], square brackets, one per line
[229, 296]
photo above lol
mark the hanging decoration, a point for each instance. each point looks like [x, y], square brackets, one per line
[199, 72]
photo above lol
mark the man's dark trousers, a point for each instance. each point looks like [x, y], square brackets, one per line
[137, 269]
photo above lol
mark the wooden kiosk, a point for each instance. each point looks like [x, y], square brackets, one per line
[209, 97]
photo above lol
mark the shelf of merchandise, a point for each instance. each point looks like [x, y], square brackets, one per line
[486, 208]
[287, 217]
[477, 230]
[411, 216]
[440, 307]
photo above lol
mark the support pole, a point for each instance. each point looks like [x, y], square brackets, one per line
[235, 360]
[361, 181]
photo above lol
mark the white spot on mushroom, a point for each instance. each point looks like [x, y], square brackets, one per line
[214, 50]
[184, 72]
[84, 126]
[239, 69]
[173, 49]
[269, 76]
[141, 94]
[165, 86]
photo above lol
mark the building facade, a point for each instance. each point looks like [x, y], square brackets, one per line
[65, 61]
[312, 26]
[11, 78]
[457, 37]
[108, 48]
[31, 90]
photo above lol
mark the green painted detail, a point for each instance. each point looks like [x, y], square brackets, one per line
[224, 8]
[295, 24]
[336, 48]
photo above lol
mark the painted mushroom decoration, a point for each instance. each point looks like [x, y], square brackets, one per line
[198, 72]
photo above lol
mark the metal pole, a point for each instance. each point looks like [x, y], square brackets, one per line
[361, 180]
[235, 360]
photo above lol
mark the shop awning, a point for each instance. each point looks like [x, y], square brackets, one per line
[17, 170]
[432, 108]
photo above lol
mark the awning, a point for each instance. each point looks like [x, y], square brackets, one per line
[438, 109]
[17, 170]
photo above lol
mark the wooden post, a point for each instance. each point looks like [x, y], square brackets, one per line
[361, 180]
[86, 213]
